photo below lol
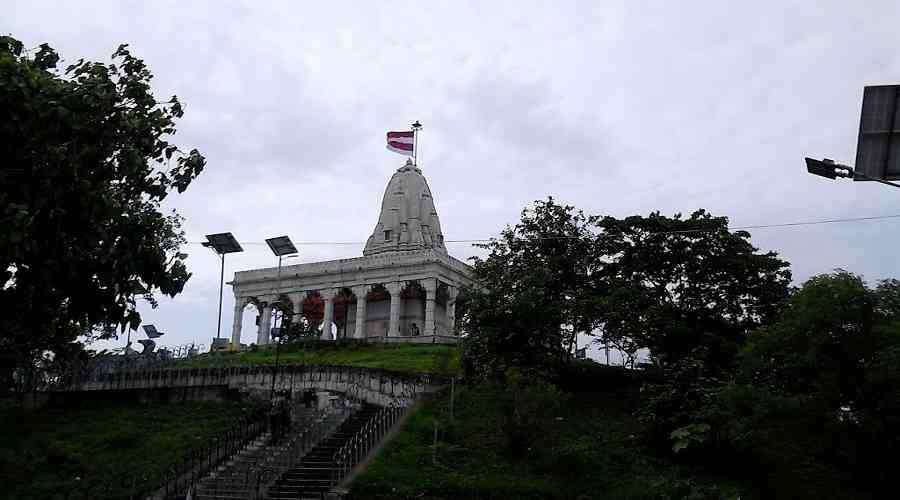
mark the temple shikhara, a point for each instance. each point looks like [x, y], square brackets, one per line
[403, 289]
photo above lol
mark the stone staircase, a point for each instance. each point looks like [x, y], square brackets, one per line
[233, 479]
[313, 475]
[246, 474]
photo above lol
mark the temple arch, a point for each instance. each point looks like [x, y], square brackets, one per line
[246, 320]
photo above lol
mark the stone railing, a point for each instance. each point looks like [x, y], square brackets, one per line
[380, 387]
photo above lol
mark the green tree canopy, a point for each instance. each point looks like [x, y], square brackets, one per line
[821, 385]
[529, 288]
[836, 337]
[668, 284]
[673, 284]
[86, 166]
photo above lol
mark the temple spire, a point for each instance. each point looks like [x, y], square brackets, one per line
[408, 220]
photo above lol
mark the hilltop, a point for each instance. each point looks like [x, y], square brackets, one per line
[438, 359]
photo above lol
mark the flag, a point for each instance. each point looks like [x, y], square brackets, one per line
[401, 142]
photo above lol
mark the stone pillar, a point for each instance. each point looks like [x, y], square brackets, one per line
[296, 299]
[328, 297]
[297, 304]
[239, 303]
[453, 292]
[430, 286]
[265, 319]
[394, 325]
[360, 292]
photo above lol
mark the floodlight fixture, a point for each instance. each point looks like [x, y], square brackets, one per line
[281, 245]
[222, 243]
[824, 168]
[152, 332]
[829, 169]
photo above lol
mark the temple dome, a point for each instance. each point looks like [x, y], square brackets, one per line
[408, 219]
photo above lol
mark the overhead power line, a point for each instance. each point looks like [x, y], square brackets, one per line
[736, 228]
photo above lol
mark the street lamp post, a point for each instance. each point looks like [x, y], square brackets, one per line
[282, 247]
[221, 243]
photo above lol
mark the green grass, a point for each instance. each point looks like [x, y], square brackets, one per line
[407, 358]
[101, 449]
[584, 448]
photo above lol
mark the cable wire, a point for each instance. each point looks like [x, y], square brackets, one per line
[736, 228]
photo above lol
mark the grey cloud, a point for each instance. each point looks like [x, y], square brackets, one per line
[617, 108]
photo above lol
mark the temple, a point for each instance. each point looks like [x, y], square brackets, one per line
[403, 289]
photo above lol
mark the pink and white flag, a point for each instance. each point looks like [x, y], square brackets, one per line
[401, 142]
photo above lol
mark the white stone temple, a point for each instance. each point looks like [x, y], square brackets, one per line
[403, 288]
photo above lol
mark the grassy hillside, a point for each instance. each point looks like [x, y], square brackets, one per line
[410, 358]
[578, 444]
[100, 449]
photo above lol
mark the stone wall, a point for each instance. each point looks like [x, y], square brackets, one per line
[378, 387]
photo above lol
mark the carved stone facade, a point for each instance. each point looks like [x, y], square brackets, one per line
[403, 289]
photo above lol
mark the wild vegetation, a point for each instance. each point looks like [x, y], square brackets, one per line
[562, 440]
[785, 392]
[101, 448]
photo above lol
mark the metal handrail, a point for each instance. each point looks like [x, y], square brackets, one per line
[359, 445]
[186, 473]
[261, 474]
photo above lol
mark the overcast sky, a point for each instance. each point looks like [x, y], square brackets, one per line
[618, 108]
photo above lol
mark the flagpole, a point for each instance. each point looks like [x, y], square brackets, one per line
[415, 129]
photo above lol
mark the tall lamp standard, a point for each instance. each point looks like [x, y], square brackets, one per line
[282, 247]
[221, 243]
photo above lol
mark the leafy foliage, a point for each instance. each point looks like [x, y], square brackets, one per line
[588, 449]
[671, 285]
[682, 399]
[529, 286]
[810, 408]
[667, 284]
[87, 164]
[834, 356]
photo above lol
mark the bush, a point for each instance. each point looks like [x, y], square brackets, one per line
[528, 411]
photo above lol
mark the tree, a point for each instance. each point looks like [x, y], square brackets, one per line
[831, 362]
[690, 291]
[673, 284]
[525, 311]
[86, 166]
[821, 343]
